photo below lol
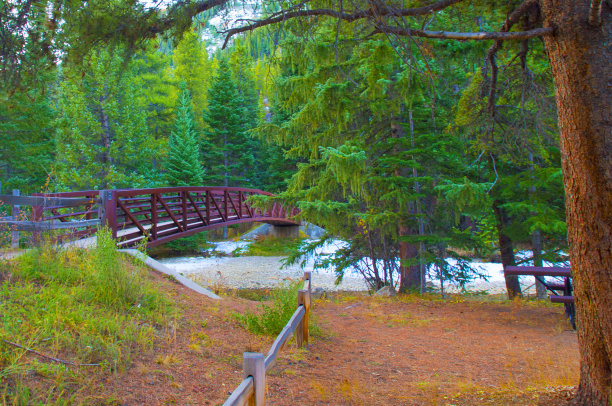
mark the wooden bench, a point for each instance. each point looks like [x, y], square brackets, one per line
[561, 291]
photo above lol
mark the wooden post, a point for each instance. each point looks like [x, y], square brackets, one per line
[225, 211]
[240, 199]
[37, 215]
[207, 207]
[15, 212]
[308, 277]
[184, 207]
[301, 333]
[108, 210]
[153, 216]
[253, 365]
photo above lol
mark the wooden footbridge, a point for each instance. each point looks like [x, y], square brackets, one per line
[160, 215]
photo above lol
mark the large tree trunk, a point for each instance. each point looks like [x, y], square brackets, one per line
[410, 275]
[506, 249]
[581, 60]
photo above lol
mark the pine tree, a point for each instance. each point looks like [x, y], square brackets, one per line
[153, 73]
[183, 167]
[227, 148]
[372, 153]
[102, 137]
[195, 69]
[27, 122]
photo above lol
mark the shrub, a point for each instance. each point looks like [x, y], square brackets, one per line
[271, 318]
[188, 245]
[271, 247]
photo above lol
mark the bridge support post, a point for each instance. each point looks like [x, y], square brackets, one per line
[107, 210]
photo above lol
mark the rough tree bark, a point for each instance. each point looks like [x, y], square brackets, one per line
[580, 56]
[410, 275]
[506, 250]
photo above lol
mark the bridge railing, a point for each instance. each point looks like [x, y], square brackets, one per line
[164, 214]
[159, 215]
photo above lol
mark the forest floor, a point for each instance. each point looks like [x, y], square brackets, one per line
[367, 350]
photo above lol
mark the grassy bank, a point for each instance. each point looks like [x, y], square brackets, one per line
[268, 246]
[67, 316]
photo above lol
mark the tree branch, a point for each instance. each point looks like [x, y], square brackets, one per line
[595, 13]
[348, 17]
[524, 8]
[40, 354]
[464, 36]
[181, 11]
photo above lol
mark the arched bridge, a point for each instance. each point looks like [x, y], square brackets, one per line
[161, 215]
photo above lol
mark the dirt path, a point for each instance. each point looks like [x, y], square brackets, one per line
[371, 351]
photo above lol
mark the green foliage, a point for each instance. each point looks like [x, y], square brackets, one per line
[102, 137]
[195, 70]
[271, 247]
[183, 167]
[26, 136]
[371, 149]
[271, 318]
[228, 155]
[189, 245]
[82, 306]
[153, 75]
[117, 285]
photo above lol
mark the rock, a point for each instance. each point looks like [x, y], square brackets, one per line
[385, 291]
[312, 231]
[318, 293]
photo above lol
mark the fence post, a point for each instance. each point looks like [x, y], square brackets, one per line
[253, 364]
[308, 277]
[303, 299]
[15, 212]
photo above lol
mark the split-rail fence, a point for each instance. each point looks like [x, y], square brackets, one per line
[252, 389]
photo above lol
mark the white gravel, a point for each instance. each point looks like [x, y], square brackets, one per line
[266, 272]
[253, 272]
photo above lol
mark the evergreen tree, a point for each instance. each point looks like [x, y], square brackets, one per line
[153, 74]
[27, 122]
[227, 149]
[102, 137]
[183, 167]
[194, 68]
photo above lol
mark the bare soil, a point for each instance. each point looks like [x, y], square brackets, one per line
[367, 351]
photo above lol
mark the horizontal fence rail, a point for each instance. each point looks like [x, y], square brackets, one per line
[74, 213]
[252, 389]
[39, 226]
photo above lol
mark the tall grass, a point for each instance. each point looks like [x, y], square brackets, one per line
[94, 306]
[271, 318]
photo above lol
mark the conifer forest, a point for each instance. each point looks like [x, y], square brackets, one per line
[425, 135]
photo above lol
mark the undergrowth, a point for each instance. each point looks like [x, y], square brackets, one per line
[268, 246]
[271, 318]
[81, 307]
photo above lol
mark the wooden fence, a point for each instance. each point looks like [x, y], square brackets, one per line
[76, 212]
[252, 389]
